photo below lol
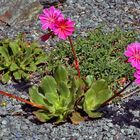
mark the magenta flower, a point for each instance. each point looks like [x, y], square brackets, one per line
[133, 52]
[50, 17]
[64, 28]
[137, 76]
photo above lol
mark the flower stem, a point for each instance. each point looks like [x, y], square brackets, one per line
[20, 99]
[75, 57]
[117, 94]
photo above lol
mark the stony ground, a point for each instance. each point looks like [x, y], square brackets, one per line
[121, 120]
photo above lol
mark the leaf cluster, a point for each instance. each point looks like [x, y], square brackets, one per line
[18, 59]
[62, 96]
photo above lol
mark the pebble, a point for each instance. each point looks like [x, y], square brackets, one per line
[110, 124]
[4, 122]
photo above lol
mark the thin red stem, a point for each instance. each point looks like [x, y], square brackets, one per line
[20, 99]
[75, 57]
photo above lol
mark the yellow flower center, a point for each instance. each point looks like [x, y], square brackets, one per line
[137, 56]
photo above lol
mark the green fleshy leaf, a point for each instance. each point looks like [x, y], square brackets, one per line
[14, 46]
[94, 114]
[42, 115]
[49, 106]
[79, 83]
[17, 75]
[6, 77]
[80, 87]
[90, 100]
[32, 67]
[89, 80]
[41, 59]
[65, 95]
[13, 67]
[27, 60]
[64, 90]
[36, 97]
[26, 76]
[96, 95]
[99, 85]
[4, 52]
[60, 74]
[1, 68]
[73, 87]
[49, 88]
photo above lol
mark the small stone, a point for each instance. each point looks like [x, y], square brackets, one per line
[4, 122]
[99, 0]
[136, 113]
[113, 132]
[24, 127]
[110, 124]
[106, 127]
[129, 131]
[1, 134]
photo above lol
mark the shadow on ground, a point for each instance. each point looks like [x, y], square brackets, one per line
[127, 113]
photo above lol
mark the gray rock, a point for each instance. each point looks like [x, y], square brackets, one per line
[110, 124]
[17, 11]
[4, 122]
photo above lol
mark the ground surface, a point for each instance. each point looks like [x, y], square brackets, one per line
[121, 120]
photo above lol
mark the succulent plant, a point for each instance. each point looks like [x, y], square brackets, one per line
[62, 96]
[54, 93]
[18, 59]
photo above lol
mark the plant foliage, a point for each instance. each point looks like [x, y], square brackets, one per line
[100, 54]
[18, 59]
[62, 96]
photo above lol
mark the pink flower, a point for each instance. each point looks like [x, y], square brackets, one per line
[64, 28]
[50, 17]
[137, 76]
[53, 20]
[133, 52]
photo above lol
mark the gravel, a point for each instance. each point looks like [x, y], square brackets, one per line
[121, 120]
